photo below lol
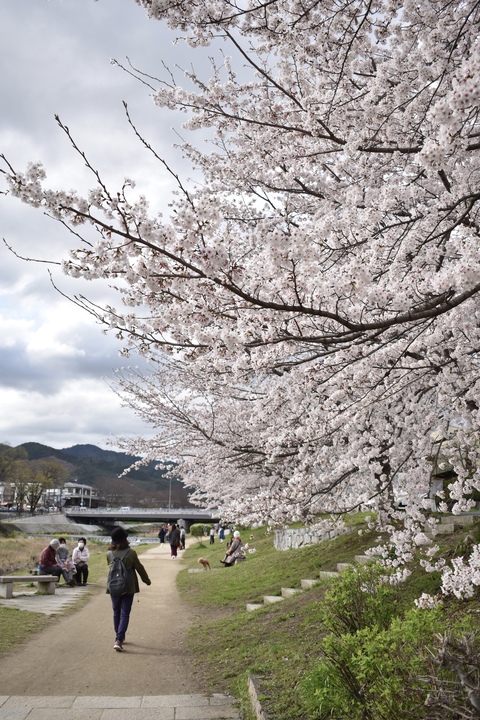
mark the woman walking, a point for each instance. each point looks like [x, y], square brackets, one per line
[122, 604]
[173, 539]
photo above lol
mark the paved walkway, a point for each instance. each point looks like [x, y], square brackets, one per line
[71, 672]
[146, 707]
[28, 599]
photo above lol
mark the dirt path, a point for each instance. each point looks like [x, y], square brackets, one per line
[75, 656]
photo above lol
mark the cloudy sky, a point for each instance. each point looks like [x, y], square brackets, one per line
[55, 59]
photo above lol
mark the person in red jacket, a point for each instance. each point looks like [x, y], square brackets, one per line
[48, 563]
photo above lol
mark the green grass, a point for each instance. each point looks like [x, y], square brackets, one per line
[278, 643]
[262, 573]
[17, 627]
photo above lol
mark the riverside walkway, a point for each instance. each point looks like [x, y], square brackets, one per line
[71, 672]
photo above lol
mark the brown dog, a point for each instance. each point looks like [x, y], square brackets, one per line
[205, 563]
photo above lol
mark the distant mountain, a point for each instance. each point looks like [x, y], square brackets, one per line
[91, 465]
[92, 451]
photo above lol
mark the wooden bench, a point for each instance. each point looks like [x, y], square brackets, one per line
[46, 584]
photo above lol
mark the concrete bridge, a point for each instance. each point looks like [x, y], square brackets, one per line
[110, 518]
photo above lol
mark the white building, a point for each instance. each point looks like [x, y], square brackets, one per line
[73, 494]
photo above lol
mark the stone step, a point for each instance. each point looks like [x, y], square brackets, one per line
[445, 528]
[267, 599]
[326, 574]
[460, 520]
[289, 592]
[307, 584]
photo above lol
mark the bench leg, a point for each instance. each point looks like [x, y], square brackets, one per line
[46, 588]
[6, 590]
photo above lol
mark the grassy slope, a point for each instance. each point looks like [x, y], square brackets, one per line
[279, 642]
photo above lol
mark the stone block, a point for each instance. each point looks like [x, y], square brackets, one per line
[268, 599]
[307, 584]
[289, 592]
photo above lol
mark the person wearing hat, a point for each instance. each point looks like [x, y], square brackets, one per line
[48, 565]
[235, 551]
[122, 604]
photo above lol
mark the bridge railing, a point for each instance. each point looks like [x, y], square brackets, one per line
[179, 512]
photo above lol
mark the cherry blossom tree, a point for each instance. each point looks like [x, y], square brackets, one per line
[310, 311]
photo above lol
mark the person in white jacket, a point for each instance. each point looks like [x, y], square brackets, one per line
[80, 557]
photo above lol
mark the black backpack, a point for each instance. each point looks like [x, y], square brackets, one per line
[119, 579]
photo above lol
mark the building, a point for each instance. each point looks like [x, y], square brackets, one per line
[77, 495]
[73, 494]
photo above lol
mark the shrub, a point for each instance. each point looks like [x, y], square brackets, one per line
[199, 530]
[418, 667]
[360, 598]
[375, 673]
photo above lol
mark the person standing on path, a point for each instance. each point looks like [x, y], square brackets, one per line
[161, 534]
[173, 539]
[122, 604]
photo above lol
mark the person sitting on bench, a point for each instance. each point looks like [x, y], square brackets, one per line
[48, 562]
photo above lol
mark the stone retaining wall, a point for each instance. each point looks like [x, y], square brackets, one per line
[301, 537]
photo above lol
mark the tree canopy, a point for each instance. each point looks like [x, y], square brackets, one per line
[310, 310]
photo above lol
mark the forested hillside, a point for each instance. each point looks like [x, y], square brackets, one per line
[100, 468]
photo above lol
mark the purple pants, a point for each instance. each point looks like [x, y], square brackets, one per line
[121, 614]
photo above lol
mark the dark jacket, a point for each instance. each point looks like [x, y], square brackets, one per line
[48, 558]
[174, 537]
[133, 565]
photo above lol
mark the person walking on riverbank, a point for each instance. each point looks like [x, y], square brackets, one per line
[161, 534]
[122, 604]
[173, 539]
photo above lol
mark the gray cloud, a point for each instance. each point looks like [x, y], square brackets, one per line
[55, 59]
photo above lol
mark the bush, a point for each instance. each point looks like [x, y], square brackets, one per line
[376, 664]
[199, 530]
[375, 673]
[360, 598]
